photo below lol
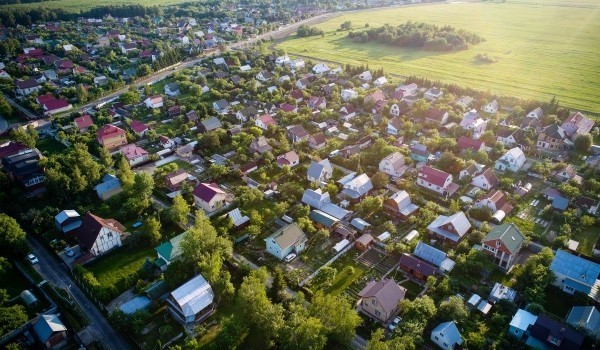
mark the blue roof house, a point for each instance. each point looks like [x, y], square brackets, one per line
[446, 336]
[576, 274]
[50, 330]
[433, 256]
[109, 186]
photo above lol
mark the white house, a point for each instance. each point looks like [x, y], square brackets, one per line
[192, 302]
[349, 94]
[380, 81]
[27, 87]
[134, 154]
[365, 76]
[512, 160]
[172, 89]
[297, 64]
[319, 172]
[491, 107]
[288, 239]
[320, 68]
[537, 113]
[393, 165]
[435, 180]
[264, 121]
[155, 101]
[98, 235]
[209, 197]
[281, 60]
[446, 336]
[433, 94]
[485, 180]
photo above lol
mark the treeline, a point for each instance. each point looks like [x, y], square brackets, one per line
[305, 31]
[11, 17]
[12, 2]
[421, 35]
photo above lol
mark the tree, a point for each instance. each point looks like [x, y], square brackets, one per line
[326, 275]
[337, 315]
[301, 330]
[139, 194]
[24, 136]
[12, 236]
[453, 309]
[451, 163]
[11, 318]
[179, 210]
[534, 276]
[583, 143]
[106, 158]
[81, 93]
[369, 205]
[130, 97]
[125, 173]
[231, 335]
[380, 180]
[153, 234]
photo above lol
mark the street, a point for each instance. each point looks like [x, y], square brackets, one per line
[57, 274]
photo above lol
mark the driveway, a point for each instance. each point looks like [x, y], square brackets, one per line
[57, 274]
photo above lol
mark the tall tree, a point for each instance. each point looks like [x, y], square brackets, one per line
[125, 173]
[12, 236]
[180, 210]
[152, 231]
[337, 315]
[139, 194]
[106, 158]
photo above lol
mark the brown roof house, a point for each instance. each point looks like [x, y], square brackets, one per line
[176, 179]
[98, 235]
[400, 205]
[577, 124]
[260, 145]
[379, 299]
[290, 159]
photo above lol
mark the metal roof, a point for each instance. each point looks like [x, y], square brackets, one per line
[46, 325]
[193, 296]
[429, 254]
[581, 270]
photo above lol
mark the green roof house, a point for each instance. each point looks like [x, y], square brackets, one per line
[168, 252]
[503, 243]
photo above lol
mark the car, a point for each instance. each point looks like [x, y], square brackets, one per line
[32, 259]
[290, 257]
[394, 324]
[69, 252]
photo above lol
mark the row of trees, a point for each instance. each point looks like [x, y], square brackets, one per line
[305, 30]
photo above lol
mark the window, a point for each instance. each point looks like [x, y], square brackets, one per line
[436, 337]
[517, 332]
[373, 301]
[377, 313]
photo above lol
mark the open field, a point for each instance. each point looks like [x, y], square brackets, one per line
[544, 48]
[84, 5]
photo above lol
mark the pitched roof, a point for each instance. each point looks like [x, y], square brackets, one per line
[490, 176]
[555, 131]
[91, 226]
[11, 148]
[133, 151]
[585, 316]
[207, 192]
[417, 265]
[193, 296]
[523, 319]
[46, 325]
[387, 292]
[555, 334]
[469, 143]
[171, 249]
[451, 226]
[509, 234]
[576, 268]
[435, 114]
[430, 254]
[109, 131]
[450, 331]
[138, 127]
[288, 235]
[434, 176]
[85, 121]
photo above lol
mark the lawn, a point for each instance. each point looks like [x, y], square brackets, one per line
[48, 145]
[544, 49]
[588, 239]
[84, 5]
[115, 268]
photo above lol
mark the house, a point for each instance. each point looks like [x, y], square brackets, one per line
[97, 235]
[11, 148]
[172, 89]
[537, 113]
[315, 102]
[297, 95]
[50, 331]
[554, 137]
[486, 180]
[168, 252]
[317, 141]
[433, 256]
[433, 94]
[446, 336]
[209, 197]
[565, 174]
[264, 76]
[394, 126]
[290, 159]
[134, 154]
[494, 201]
[356, 187]
[400, 205]
[320, 68]
[450, 228]
[436, 180]
[417, 267]
[111, 137]
[109, 187]
[348, 94]
[322, 201]
[365, 241]
[138, 128]
[419, 153]
[27, 87]
[547, 333]
[260, 145]
[512, 160]
[297, 133]
[473, 123]
[84, 122]
[67, 221]
[574, 273]
[375, 97]
[192, 302]
[365, 76]
[23, 167]
[380, 81]
[301, 84]
[347, 112]
[209, 124]
[502, 292]
[319, 172]
[436, 116]
[491, 107]
[247, 113]
[288, 239]
[155, 101]
[466, 143]
[393, 165]
[586, 317]
[323, 220]
[379, 299]
[464, 101]
[221, 106]
[521, 324]
[100, 80]
[264, 121]
[176, 179]
[52, 105]
[577, 124]
[508, 136]
[503, 243]
[128, 47]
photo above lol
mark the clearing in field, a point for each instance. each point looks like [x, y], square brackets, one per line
[537, 50]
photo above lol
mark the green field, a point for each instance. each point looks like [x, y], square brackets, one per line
[544, 48]
[84, 5]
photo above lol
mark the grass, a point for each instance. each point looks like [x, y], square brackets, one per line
[413, 288]
[557, 302]
[83, 5]
[588, 239]
[116, 267]
[152, 338]
[14, 282]
[48, 145]
[544, 49]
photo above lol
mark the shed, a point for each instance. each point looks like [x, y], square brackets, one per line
[135, 304]
[484, 307]
[474, 300]
[360, 224]
[364, 242]
[410, 236]
[560, 203]
[28, 298]
[341, 245]
[323, 219]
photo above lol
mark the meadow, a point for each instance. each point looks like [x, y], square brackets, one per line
[543, 48]
[84, 5]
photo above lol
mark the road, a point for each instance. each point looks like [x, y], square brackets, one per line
[22, 109]
[57, 274]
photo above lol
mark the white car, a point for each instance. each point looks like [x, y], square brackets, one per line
[290, 257]
[32, 259]
[394, 324]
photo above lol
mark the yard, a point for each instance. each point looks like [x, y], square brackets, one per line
[161, 320]
[48, 145]
[587, 239]
[114, 269]
[566, 35]
[14, 282]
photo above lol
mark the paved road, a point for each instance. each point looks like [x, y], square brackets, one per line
[22, 109]
[57, 274]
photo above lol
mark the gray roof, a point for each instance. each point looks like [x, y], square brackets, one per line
[585, 316]
[459, 221]
[315, 198]
[358, 186]
[109, 182]
[193, 296]
[222, 104]
[211, 123]
[316, 169]
[429, 254]
[387, 292]
[46, 325]
[66, 214]
[288, 236]
[450, 331]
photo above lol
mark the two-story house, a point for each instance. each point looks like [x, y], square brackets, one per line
[97, 235]
[450, 228]
[379, 299]
[446, 336]
[111, 137]
[503, 243]
[319, 172]
[400, 205]
[577, 124]
[288, 239]
[210, 197]
[393, 165]
[574, 273]
[437, 181]
[554, 137]
[512, 160]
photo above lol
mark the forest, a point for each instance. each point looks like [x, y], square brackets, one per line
[419, 35]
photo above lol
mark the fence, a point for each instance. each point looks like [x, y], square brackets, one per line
[337, 256]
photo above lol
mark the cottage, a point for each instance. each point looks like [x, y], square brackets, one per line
[288, 239]
[365, 76]
[495, 201]
[264, 121]
[319, 172]
[450, 228]
[247, 113]
[320, 68]
[192, 302]
[508, 136]
[400, 205]
[365, 241]
[317, 141]
[135, 154]
[574, 273]
[464, 102]
[290, 159]
[503, 243]
[210, 197]
[380, 81]
[221, 106]
[315, 102]
[437, 181]
[322, 201]
[83, 123]
[577, 124]
[417, 267]
[521, 323]
[109, 187]
[172, 89]
[466, 143]
[356, 187]
[433, 94]
[486, 180]
[512, 160]
[586, 317]
[546, 333]
[67, 221]
[433, 256]
[436, 116]
[297, 133]
[260, 145]
[491, 107]
[446, 336]
[155, 101]
[97, 235]
[50, 331]
[169, 251]
[379, 299]
[419, 153]
[175, 180]
[138, 128]
[393, 165]
[554, 137]
[349, 94]
[394, 126]
[210, 124]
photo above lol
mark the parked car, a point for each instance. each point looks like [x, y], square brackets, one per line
[32, 259]
[69, 252]
[394, 324]
[290, 257]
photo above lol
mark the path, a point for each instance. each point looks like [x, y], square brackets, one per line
[57, 274]
[22, 109]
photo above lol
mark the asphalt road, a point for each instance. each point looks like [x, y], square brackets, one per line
[57, 274]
